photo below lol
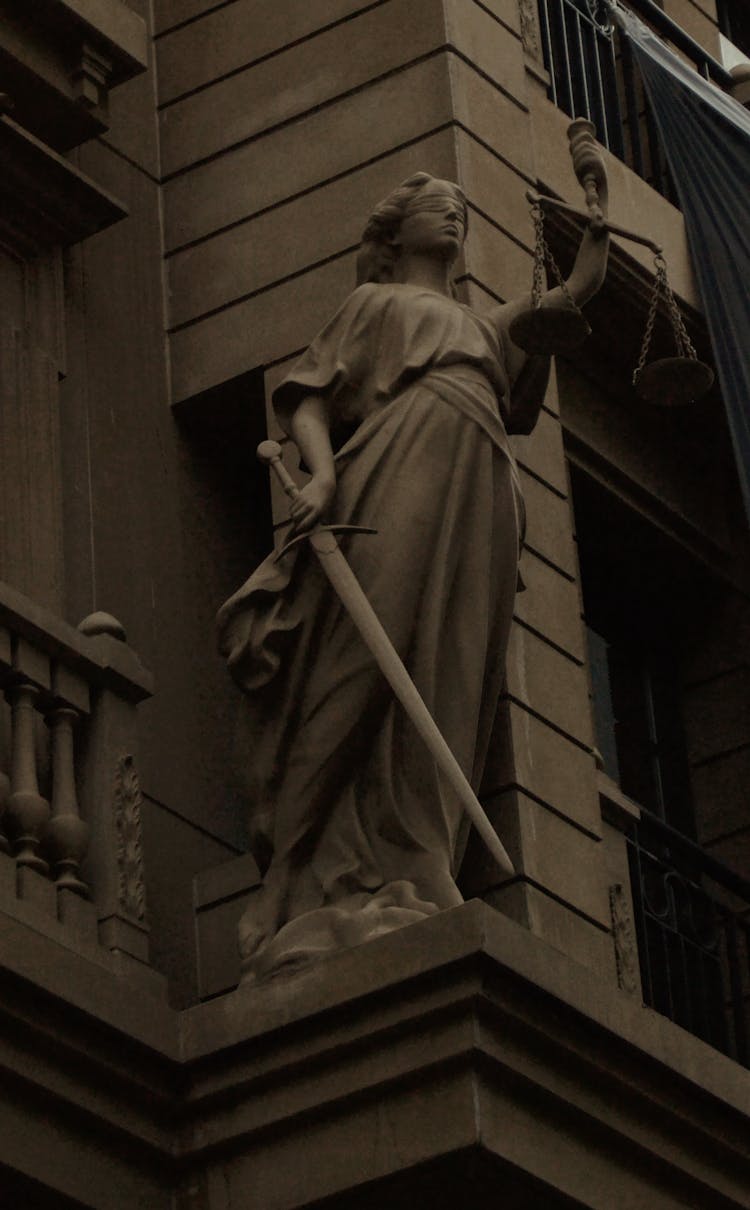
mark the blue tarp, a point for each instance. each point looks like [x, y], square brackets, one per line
[706, 138]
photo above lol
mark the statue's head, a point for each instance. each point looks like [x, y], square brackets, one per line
[422, 214]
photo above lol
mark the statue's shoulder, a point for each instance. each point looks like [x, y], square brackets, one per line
[365, 305]
[372, 293]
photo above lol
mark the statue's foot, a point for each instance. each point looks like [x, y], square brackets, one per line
[349, 922]
[262, 918]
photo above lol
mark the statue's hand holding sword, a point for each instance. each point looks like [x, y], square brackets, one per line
[322, 539]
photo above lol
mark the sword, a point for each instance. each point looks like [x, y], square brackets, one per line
[349, 591]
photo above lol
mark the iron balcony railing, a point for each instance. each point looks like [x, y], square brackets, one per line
[692, 918]
[592, 75]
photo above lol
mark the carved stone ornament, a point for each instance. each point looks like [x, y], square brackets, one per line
[529, 28]
[129, 839]
[626, 945]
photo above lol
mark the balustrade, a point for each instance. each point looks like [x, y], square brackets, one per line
[681, 927]
[592, 75]
[69, 797]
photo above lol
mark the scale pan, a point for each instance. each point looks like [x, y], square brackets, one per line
[549, 330]
[674, 381]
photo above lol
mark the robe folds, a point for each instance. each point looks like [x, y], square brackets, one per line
[359, 831]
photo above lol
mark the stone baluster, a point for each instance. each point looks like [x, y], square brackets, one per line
[26, 812]
[66, 836]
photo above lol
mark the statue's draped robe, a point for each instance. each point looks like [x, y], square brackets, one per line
[364, 833]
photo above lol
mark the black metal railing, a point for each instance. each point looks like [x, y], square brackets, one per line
[692, 918]
[593, 75]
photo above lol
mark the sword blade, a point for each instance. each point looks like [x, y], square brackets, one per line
[352, 596]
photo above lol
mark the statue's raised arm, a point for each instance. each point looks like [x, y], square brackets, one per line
[545, 320]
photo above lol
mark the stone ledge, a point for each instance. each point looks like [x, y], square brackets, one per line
[460, 1053]
[38, 951]
[447, 1032]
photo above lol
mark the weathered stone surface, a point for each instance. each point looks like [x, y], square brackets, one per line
[550, 853]
[495, 261]
[551, 605]
[251, 257]
[542, 453]
[307, 75]
[557, 924]
[549, 683]
[549, 524]
[398, 1044]
[299, 156]
[498, 191]
[221, 895]
[493, 48]
[233, 36]
[698, 19]
[255, 331]
[169, 13]
[543, 762]
[478, 106]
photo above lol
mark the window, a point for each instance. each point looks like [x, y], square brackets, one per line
[639, 725]
[644, 602]
[634, 592]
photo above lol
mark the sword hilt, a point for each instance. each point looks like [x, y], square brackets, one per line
[269, 452]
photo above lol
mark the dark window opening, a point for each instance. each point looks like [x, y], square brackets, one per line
[229, 488]
[226, 505]
[644, 601]
[734, 22]
[635, 586]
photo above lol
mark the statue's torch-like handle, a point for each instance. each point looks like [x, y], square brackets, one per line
[350, 593]
[588, 166]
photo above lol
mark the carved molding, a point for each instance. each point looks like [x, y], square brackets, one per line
[127, 807]
[527, 10]
[45, 201]
[91, 78]
[625, 941]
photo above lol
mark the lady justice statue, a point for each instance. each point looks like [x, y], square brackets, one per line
[401, 409]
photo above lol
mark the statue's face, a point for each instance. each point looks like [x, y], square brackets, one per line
[434, 222]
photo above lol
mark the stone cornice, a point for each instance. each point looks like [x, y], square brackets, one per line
[110, 25]
[59, 60]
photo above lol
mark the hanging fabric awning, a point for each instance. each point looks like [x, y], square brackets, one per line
[706, 139]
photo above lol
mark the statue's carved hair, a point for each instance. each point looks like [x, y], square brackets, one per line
[377, 255]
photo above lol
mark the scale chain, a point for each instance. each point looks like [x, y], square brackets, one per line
[685, 346]
[542, 253]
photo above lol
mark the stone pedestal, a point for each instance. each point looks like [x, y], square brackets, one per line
[455, 1060]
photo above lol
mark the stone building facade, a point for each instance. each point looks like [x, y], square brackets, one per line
[184, 184]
